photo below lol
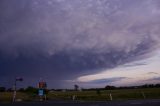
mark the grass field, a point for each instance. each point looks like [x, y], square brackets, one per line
[104, 95]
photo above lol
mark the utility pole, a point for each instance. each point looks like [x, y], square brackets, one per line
[15, 88]
[14, 92]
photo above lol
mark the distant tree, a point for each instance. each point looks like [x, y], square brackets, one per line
[9, 90]
[21, 90]
[145, 86]
[110, 87]
[98, 92]
[157, 85]
[151, 85]
[31, 90]
[76, 87]
[2, 89]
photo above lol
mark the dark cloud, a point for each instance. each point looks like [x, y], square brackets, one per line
[108, 80]
[135, 64]
[152, 73]
[63, 39]
[153, 79]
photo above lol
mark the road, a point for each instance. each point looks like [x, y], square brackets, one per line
[109, 103]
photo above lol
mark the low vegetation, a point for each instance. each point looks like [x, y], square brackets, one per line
[91, 95]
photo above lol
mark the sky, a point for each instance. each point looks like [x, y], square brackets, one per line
[92, 43]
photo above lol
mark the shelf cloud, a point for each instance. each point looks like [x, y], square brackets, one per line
[75, 37]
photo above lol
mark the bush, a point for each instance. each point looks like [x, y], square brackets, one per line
[2, 89]
[31, 90]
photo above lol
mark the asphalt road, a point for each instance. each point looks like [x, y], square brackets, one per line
[109, 103]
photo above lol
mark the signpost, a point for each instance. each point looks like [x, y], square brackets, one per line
[15, 87]
[42, 85]
[42, 88]
[40, 92]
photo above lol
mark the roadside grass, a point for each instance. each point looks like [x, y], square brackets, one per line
[124, 94]
[104, 95]
[7, 96]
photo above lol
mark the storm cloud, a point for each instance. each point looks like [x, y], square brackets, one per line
[63, 39]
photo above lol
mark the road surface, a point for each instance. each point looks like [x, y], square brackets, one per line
[70, 103]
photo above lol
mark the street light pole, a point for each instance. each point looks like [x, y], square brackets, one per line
[15, 87]
[14, 92]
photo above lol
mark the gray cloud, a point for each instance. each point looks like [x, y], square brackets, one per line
[108, 80]
[153, 79]
[135, 64]
[87, 25]
[152, 73]
[75, 37]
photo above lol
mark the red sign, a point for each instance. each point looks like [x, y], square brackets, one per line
[42, 85]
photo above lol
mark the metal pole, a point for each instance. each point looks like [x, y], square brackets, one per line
[143, 95]
[14, 92]
[110, 96]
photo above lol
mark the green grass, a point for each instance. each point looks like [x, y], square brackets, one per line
[7, 96]
[125, 94]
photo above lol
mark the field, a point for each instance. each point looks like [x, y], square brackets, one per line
[104, 95]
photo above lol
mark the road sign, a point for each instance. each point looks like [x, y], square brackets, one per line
[41, 92]
[42, 85]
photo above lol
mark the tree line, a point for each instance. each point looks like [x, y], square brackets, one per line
[108, 87]
[31, 89]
